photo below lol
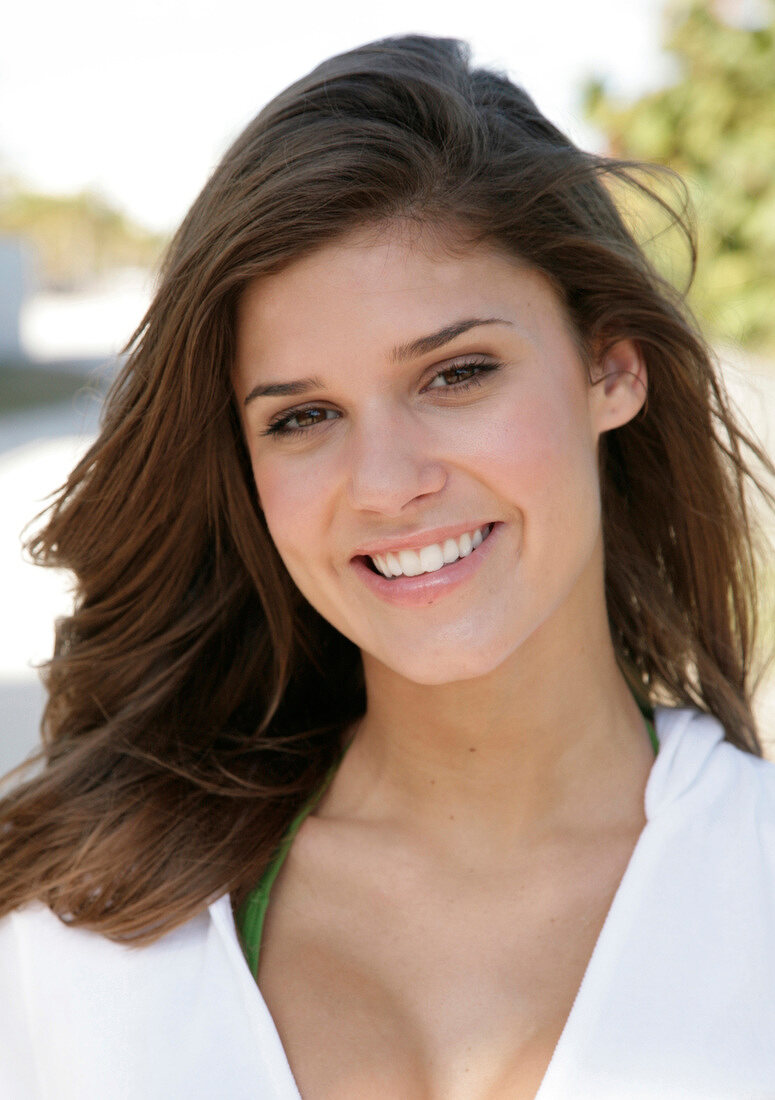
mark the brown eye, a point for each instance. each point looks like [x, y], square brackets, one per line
[463, 375]
[313, 415]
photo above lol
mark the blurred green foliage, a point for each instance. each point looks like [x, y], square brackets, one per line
[715, 124]
[76, 237]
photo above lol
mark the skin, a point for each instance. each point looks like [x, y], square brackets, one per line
[431, 926]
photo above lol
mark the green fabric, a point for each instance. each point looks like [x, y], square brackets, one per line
[652, 735]
[252, 912]
[648, 716]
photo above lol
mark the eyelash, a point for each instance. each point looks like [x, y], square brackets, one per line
[278, 426]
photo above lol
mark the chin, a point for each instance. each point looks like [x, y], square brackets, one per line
[444, 668]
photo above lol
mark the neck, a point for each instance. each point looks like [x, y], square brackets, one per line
[550, 739]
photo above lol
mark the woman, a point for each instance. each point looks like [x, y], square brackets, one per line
[416, 527]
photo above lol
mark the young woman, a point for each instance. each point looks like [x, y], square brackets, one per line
[400, 743]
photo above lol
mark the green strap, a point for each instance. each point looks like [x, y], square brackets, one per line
[652, 735]
[252, 912]
[648, 717]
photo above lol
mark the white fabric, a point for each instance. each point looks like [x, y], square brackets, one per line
[678, 1000]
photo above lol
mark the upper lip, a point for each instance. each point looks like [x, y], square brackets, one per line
[415, 540]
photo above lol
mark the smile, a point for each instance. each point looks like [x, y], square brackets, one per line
[429, 559]
[428, 585]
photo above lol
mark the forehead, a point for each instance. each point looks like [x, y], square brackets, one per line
[376, 287]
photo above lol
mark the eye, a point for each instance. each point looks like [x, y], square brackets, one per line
[458, 377]
[315, 415]
[464, 375]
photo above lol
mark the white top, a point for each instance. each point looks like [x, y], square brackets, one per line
[678, 1000]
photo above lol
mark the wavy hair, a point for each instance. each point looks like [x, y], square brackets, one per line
[195, 697]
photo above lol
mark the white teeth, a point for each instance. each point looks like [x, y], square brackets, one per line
[451, 552]
[431, 558]
[411, 563]
[394, 564]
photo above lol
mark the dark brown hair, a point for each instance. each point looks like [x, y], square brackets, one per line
[195, 697]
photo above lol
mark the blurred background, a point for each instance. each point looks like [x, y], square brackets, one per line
[112, 118]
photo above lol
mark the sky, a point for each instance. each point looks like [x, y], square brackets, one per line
[139, 102]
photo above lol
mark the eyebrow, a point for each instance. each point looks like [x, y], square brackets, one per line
[400, 354]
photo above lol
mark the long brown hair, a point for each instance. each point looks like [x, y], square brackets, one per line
[195, 697]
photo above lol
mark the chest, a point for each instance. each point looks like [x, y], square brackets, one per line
[417, 984]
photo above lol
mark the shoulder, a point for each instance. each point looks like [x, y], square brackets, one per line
[703, 787]
[69, 994]
[34, 933]
[696, 761]
[680, 999]
[82, 1015]
[61, 959]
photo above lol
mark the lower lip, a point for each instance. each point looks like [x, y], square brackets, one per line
[428, 587]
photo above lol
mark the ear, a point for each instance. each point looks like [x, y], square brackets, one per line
[621, 386]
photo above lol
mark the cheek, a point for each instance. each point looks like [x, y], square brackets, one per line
[289, 503]
[540, 448]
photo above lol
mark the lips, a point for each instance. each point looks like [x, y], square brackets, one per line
[426, 588]
[430, 558]
[418, 539]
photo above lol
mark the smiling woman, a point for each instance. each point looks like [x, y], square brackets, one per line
[417, 525]
[400, 456]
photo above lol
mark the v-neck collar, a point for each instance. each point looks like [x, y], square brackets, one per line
[670, 725]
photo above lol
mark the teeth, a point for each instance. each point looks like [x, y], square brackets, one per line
[382, 564]
[451, 552]
[431, 558]
[393, 564]
[411, 563]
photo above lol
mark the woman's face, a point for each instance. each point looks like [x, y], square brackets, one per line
[413, 396]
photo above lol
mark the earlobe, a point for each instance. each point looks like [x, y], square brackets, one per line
[622, 385]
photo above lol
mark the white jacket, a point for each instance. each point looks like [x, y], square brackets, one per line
[678, 1000]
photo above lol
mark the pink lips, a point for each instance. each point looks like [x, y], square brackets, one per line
[428, 587]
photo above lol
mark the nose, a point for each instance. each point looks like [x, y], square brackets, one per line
[391, 464]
